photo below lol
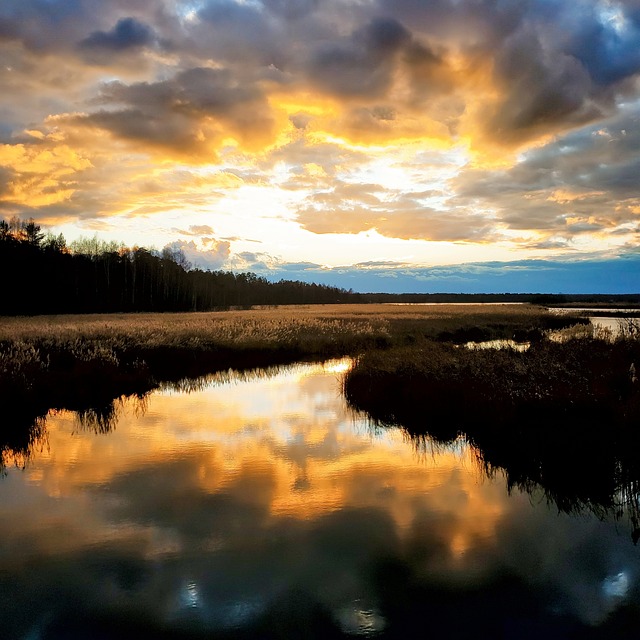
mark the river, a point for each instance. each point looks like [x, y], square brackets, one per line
[262, 506]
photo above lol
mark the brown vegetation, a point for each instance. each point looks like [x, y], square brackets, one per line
[84, 362]
[562, 416]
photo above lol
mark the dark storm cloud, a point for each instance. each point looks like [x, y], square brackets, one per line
[479, 23]
[555, 65]
[291, 9]
[166, 131]
[362, 64]
[542, 89]
[58, 25]
[9, 29]
[128, 34]
[197, 90]
[241, 34]
[609, 54]
[564, 65]
[188, 113]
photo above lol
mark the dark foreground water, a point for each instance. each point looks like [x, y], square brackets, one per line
[263, 507]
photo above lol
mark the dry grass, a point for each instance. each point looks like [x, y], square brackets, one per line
[584, 375]
[84, 361]
[32, 347]
[283, 325]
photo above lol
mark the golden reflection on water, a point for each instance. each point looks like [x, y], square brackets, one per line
[285, 443]
[218, 502]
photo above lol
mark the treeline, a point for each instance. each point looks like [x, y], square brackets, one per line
[43, 275]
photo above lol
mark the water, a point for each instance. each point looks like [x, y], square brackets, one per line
[264, 507]
[611, 323]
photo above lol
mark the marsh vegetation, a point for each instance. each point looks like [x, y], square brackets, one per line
[562, 415]
[412, 368]
[262, 478]
[85, 362]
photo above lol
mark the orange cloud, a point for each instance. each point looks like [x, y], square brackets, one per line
[41, 174]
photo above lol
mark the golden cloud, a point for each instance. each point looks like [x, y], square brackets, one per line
[40, 174]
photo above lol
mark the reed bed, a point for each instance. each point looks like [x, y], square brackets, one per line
[561, 417]
[569, 373]
[309, 328]
[83, 362]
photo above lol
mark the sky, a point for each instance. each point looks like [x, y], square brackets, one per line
[379, 145]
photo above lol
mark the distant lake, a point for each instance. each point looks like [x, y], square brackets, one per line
[603, 320]
[453, 304]
[252, 506]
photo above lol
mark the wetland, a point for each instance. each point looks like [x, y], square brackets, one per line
[319, 472]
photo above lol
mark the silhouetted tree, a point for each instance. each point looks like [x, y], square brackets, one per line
[92, 275]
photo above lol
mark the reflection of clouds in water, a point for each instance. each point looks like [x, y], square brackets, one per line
[616, 586]
[357, 620]
[571, 557]
[190, 596]
[204, 513]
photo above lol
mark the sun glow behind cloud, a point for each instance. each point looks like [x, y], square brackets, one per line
[333, 133]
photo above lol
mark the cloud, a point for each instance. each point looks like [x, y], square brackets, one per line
[543, 89]
[39, 174]
[583, 181]
[189, 114]
[572, 61]
[127, 34]
[196, 230]
[530, 108]
[211, 256]
[354, 208]
[362, 64]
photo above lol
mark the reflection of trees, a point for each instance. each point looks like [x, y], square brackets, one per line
[18, 444]
[26, 430]
[100, 419]
[199, 383]
[562, 418]
[575, 469]
[97, 407]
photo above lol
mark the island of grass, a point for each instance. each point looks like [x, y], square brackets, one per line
[561, 416]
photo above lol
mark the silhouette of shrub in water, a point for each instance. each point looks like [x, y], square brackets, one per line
[562, 417]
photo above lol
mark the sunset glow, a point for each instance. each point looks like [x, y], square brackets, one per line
[311, 140]
[233, 436]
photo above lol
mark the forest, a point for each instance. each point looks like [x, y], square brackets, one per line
[44, 275]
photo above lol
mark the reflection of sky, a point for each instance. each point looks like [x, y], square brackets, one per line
[212, 508]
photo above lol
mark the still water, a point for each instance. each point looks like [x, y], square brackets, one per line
[261, 506]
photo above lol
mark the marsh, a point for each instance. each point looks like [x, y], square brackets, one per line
[256, 501]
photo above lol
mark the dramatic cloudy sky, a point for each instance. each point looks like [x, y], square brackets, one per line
[417, 145]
